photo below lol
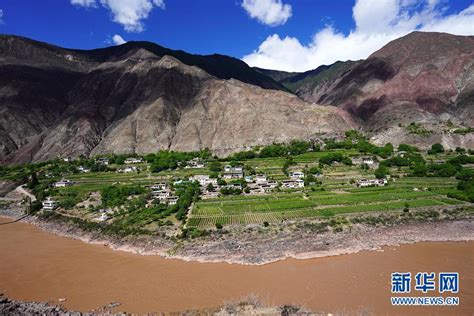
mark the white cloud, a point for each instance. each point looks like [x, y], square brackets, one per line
[1, 16]
[377, 22]
[118, 40]
[128, 13]
[84, 3]
[269, 12]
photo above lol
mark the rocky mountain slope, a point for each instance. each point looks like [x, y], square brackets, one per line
[141, 97]
[138, 98]
[313, 84]
[417, 89]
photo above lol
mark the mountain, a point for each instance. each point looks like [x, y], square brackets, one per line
[140, 97]
[416, 89]
[421, 79]
[313, 84]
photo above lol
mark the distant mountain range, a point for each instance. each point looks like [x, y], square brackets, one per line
[140, 97]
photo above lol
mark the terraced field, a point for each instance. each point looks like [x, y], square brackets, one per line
[339, 197]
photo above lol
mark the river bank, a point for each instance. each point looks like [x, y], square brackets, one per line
[247, 306]
[257, 245]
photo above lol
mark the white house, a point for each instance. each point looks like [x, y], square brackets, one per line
[102, 161]
[293, 183]
[158, 186]
[67, 159]
[401, 153]
[248, 179]
[161, 195]
[195, 163]
[260, 178]
[371, 182]
[368, 161]
[83, 169]
[268, 186]
[131, 160]
[172, 200]
[102, 217]
[49, 204]
[128, 169]
[233, 172]
[296, 175]
[63, 183]
[203, 179]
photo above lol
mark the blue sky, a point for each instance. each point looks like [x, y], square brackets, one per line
[279, 34]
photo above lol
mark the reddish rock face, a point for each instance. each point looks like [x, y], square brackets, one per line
[427, 70]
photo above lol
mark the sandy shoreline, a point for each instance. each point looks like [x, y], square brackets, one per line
[258, 248]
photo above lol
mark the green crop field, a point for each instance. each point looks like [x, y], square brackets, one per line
[307, 204]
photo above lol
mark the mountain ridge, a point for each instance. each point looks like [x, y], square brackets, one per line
[141, 103]
[134, 98]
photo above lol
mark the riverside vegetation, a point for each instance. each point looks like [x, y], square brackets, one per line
[420, 185]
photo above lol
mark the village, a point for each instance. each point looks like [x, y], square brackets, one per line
[232, 180]
[198, 190]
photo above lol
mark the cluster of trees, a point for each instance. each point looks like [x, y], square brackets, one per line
[117, 195]
[170, 160]
[411, 159]
[230, 191]
[420, 168]
[355, 140]
[295, 147]
[465, 186]
[188, 192]
[334, 157]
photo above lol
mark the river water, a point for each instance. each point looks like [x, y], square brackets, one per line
[39, 266]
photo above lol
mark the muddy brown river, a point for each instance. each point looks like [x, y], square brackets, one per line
[39, 266]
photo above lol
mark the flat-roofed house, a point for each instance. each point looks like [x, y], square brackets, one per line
[260, 178]
[49, 204]
[233, 172]
[296, 175]
[102, 161]
[371, 182]
[172, 200]
[158, 186]
[161, 195]
[293, 183]
[63, 183]
[195, 163]
[132, 160]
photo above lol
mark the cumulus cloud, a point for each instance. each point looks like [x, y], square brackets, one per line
[128, 13]
[376, 23]
[269, 12]
[118, 40]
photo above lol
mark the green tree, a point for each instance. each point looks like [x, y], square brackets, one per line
[436, 149]
[419, 170]
[210, 187]
[381, 172]
[215, 166]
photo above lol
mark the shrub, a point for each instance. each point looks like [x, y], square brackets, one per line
[436, 149]
[381, 172]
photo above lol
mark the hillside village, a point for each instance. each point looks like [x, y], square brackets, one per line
[303, 179]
